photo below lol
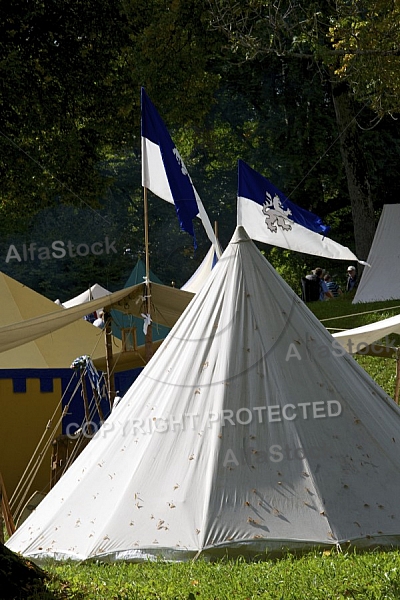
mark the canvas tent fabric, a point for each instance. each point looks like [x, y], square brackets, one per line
[382, 280]
[31, 328]
[37, 405]
[121, 361]
[130, 321]
[19, 304]
[36, 381]
[245, 434]
[167, 306]
[354, 340]
[138, 275]
[94, 292]
[199, 277]
[33, 379]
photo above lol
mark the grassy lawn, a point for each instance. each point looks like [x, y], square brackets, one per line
[317, 575]
[340, 314]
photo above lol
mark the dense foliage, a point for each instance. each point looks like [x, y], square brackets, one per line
[259, 82]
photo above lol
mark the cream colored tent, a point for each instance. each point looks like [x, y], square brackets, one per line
[382, 280]
[33, 379]
[57, 349]
[38, 342]
[167, 305]
[247, 433]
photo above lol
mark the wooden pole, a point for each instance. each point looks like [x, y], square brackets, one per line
[109, 357]
[5, 512]
[146, 234]
[85, 402]
[149, 333]
[397, 388]
[98, 405]
[216, 229]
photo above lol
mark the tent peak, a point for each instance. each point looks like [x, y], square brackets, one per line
[240, 235]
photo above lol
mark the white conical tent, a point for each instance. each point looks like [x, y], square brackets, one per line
[199, 277]
[93, 293]
[382, 280]
[251, 430]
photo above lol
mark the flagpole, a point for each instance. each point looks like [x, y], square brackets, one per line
[146, 233]
[148, 336]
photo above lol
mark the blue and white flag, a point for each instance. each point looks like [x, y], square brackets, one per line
[165, 174]
[269, 217]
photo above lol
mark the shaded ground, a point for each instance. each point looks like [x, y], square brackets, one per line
[20, 578]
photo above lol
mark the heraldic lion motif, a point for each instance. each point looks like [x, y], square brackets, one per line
[275, 215]
[180, 162]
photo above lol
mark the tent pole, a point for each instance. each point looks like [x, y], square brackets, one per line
[146, 233]
[109, 357]
[397, 388]
[5, 512]
[149, 334]
[85, 402]
[98, 405]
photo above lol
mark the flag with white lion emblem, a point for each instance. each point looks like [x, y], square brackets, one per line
[270, 217]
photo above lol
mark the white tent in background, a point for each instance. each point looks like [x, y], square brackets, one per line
[199, 277]
[248, 432]
[357, 339]
[93, 293]
[382, 280]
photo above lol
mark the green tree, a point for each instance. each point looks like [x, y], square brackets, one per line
[62, 99]
[169, 53]
[71, 74]
[366, 39]
[303, 32]
[70, 122]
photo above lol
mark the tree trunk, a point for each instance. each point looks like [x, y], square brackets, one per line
[356, 170]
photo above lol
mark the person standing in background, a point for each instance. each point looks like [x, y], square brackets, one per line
[352, 280]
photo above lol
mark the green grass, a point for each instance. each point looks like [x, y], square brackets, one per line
[314, 576]
[324, 576]
[340, 314]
